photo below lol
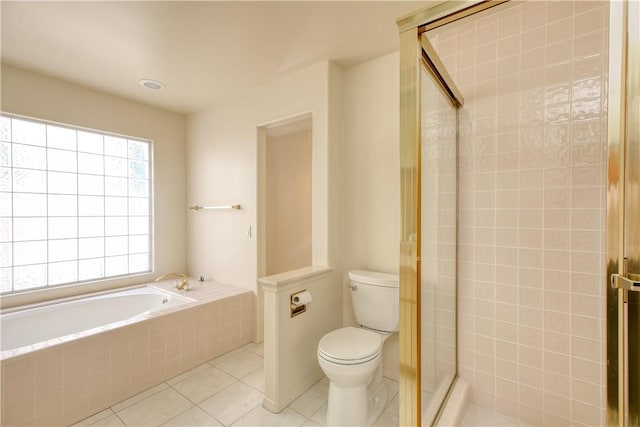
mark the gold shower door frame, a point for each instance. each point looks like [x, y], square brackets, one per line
[415, 53]
[623, 217]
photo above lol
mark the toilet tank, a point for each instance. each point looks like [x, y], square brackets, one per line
[375, 299]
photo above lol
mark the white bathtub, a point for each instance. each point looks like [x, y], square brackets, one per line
[69, 359]
[78, 317]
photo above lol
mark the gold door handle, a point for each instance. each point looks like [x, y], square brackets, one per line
[631, 283]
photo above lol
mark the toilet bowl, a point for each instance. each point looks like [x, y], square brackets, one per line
[349, 357]
[352, 357]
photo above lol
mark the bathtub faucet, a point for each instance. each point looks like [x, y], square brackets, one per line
[184, 286]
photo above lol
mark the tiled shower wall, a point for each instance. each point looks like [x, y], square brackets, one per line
[532, 207]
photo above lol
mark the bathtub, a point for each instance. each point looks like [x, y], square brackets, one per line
[60, 321]
[66, 360]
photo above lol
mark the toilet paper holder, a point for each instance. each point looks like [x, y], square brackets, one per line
[298, 302]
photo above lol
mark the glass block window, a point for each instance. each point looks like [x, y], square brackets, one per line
[75, 205]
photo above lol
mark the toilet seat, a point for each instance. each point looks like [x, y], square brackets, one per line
[350, 346]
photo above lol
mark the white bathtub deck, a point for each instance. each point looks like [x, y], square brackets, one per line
[200, 291]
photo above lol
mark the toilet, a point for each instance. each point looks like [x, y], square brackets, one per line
[352, 357]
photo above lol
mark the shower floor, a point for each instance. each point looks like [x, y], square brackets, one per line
[481, 416]
[459, 411]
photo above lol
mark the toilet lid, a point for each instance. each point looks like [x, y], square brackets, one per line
[350, 345]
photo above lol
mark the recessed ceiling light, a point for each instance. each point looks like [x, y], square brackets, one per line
[151, 84]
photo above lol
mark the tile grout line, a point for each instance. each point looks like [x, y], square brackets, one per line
[118, 417]
[141, 400]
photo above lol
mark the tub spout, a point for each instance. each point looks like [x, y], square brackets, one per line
[184, 285]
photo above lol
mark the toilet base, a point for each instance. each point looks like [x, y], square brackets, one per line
[357, 406]
[347, 406]
[376, 403]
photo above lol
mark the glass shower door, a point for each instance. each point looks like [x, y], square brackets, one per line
[439, 130]
[623, 217]
[429, 103]
[632, 210]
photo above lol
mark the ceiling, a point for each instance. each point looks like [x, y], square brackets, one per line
[202, 51]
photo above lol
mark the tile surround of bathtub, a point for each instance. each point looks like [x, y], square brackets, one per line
[67, 382]
[532, 207]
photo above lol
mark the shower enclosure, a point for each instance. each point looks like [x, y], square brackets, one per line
[550, 95]
[438, 249]
[429, 131]
[623, 217]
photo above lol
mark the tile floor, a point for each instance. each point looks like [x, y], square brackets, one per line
[225, 391]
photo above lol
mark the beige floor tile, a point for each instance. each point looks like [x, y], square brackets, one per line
[255, 348]
[110, 421]
[260, 417]
[311, 400]
[393, 407]
[320, 415]
[138, 397]
[188, 374]
[155, 410]
[94, 418]
[239, 364]
[232, 403]
[311, 423]
[255, 380]
[387, 420]
[193, 417]
[227, 355]
[205, 383]
[392, 387]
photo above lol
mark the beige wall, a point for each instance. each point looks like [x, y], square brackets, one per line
[222, 169]
[372, 178]
[42, 97]
[288, 202]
